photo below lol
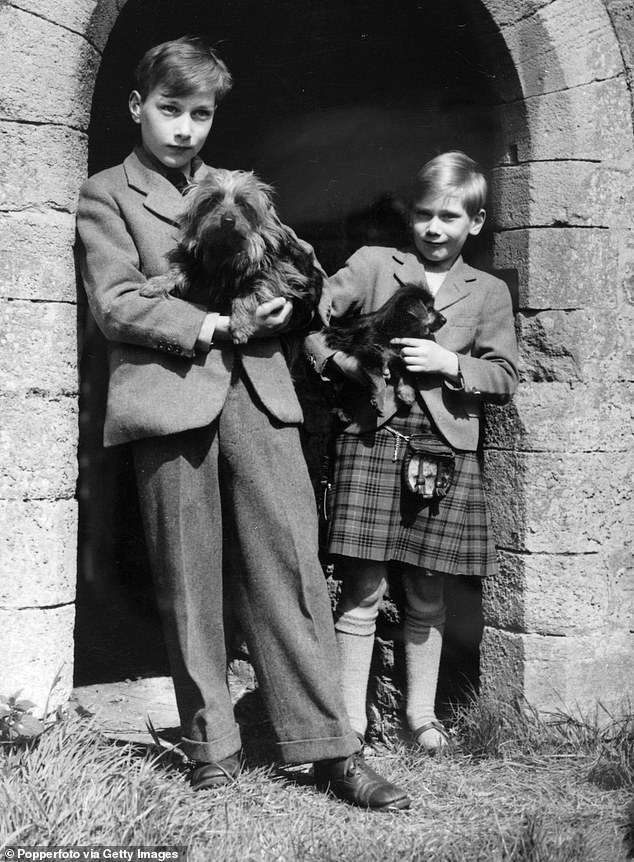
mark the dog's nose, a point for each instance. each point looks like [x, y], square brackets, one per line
[227, 220]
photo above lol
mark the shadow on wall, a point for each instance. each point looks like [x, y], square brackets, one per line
[337, 107]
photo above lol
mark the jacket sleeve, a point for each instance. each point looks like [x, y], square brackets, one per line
[490, 369]
[344, 293]
[111, 271]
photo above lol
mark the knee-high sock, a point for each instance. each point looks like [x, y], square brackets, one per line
[423, 633]
[355, 630]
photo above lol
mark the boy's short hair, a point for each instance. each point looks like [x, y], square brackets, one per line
[454, 173]
[182, 67]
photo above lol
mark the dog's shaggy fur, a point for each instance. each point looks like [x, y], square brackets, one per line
[408, 313]
[233, 254]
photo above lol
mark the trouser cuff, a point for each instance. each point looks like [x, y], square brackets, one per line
[324, 748]
[215, 750]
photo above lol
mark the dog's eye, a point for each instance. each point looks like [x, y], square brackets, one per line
[245, 206]
[215, 198]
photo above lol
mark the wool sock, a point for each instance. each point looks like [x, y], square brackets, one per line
[423, 634]
[355, 630]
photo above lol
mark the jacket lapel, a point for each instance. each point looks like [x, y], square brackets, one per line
[458, 284]
[161, 197]
[408, 268]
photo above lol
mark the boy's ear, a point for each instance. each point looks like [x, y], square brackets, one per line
[134, 103]
[477, 221]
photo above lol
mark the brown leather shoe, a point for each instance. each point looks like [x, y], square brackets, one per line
[352, 780]
[216, 773]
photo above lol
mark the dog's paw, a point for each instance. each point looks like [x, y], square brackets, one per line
[240, 332]
[405, 392]
[159, 285]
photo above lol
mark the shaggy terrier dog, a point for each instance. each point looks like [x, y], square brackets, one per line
[233, 254]
[408, 313]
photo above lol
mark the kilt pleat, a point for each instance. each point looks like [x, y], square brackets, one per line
[373, 517]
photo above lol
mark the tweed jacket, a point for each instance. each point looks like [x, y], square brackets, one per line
[127, 222]
[479, 328]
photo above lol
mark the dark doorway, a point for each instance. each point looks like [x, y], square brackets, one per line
[337, 105]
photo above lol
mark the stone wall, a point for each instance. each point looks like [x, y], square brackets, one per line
[49, 55]
[559, 461]
[560, 619]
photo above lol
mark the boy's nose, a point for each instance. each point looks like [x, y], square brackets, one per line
[433, 226]
[184, 127]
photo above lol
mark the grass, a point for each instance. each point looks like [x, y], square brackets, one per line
[514, 787]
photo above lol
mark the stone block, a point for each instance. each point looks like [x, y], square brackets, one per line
[619, 559]
[564, 417]
[43, 166]
[566, 44]
[38, 447]
[88, 17]
[560, 267]
[36, 256]
[576, 674]
[567, 125]
[48, 71]
[38, 347]
[589, 345]
[501, 665]
[622, 17]
[506, 12]
[37, 649]
[551, 594]
[38, 553]
[556, 194]
[567, 503]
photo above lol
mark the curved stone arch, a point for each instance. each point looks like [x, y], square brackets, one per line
[561, 207]
[563, 174]
[49, 57]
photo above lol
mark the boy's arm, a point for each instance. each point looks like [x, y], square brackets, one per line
[343, 293]
[112, 277]
[491, 369]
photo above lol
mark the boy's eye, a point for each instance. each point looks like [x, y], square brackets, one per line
[202, 115]
[168, 109]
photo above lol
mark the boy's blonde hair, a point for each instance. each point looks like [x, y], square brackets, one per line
[453, 173]
[182, 67]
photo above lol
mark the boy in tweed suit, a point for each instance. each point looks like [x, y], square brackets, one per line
[214, 434]
[376, 520]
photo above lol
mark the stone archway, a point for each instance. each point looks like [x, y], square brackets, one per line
[562, 613]
[560, 619]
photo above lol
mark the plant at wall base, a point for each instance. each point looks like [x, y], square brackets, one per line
[17, 725]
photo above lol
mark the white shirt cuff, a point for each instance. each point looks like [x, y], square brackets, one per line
[206, 334]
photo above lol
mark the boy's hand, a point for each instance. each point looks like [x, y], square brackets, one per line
[423, 356]
[350, 367]
[272, 317]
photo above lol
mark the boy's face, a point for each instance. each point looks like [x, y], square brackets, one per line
[441, 225]
[173, 128]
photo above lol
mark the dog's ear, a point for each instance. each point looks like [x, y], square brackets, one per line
[188, 232]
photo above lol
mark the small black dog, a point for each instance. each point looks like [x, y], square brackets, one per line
[409, 313]
[233, 254]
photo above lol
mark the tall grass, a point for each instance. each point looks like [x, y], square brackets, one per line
[494, 729]
[515, 787]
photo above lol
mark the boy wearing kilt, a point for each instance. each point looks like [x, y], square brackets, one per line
[426, 518]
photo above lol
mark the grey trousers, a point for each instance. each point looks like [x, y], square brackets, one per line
[240, 488]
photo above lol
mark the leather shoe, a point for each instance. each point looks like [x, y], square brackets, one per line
[352, 780]
[217, 773]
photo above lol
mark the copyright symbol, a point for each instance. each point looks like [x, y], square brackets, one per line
[9, 853]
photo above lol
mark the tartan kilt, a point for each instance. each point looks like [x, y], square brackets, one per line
[372, 517]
